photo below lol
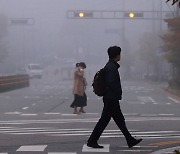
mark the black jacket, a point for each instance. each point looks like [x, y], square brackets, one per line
[113, 82]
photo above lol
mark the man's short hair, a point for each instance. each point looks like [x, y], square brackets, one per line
[114, 51]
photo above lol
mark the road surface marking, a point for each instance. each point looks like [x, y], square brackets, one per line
[51, 113]
[92, 113]
[12, 113]
[62, 153]
[131, 114]
[32, 148]
[149, 115]
[86, 120]
[141, 146]
[29, 114]
[135, 150]
[89, 149]
[152, 100]
[69, 114]
[145, 99]
[25, 108]
[166, 150]
[166, 114]
[174, 100]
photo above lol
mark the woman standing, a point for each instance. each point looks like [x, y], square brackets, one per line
[80, 98]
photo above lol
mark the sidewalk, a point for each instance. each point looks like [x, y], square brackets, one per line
[167, 151]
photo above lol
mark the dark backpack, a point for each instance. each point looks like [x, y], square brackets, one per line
[99, 83]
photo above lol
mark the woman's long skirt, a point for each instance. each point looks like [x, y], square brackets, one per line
[79, 101]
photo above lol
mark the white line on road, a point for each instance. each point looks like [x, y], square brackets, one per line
[166, 150]
[62, 153]
[69, 114]
[88, 149]
[168, 103]
[149, 115]
[141, 146]
[174, 100]
[29, 114]
[134, 150]
[12, 113]
[32, 148]
[52, 113]
[131, 114]
[166, 114]
[92, 113]
[25, 108]
[152, 100]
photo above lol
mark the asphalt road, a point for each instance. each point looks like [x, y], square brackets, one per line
[38, 119]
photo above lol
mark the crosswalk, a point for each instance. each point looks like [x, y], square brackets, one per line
[84, 149]
[44, 149]
[67, 132]
[86, 114]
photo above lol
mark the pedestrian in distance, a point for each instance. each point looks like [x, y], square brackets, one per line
[111, 102]
[80, 98]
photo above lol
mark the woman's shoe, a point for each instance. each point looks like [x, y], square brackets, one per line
[82, 111]
[76, 112]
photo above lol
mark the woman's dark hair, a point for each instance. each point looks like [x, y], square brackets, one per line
[114, 51]
[77, 64]
[82, 64]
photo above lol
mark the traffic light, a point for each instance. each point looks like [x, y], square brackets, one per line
[132, 15]
[83, 14]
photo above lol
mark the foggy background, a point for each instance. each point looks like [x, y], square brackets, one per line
[50, 39]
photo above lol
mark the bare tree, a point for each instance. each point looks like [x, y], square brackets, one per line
[174, 2]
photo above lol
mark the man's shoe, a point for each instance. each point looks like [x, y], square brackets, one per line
[134, 142]
[95, 145]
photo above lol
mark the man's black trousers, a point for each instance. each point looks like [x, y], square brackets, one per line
[111, 109]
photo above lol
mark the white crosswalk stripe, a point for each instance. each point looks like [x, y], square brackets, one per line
[86, 132]
[62, 153]
[88, 149]
[32, 148]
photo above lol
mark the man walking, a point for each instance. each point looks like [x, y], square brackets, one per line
[111, 102]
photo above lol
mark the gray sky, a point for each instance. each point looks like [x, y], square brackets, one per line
[54, 35]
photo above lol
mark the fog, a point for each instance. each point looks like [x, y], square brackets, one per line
[49, 37]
